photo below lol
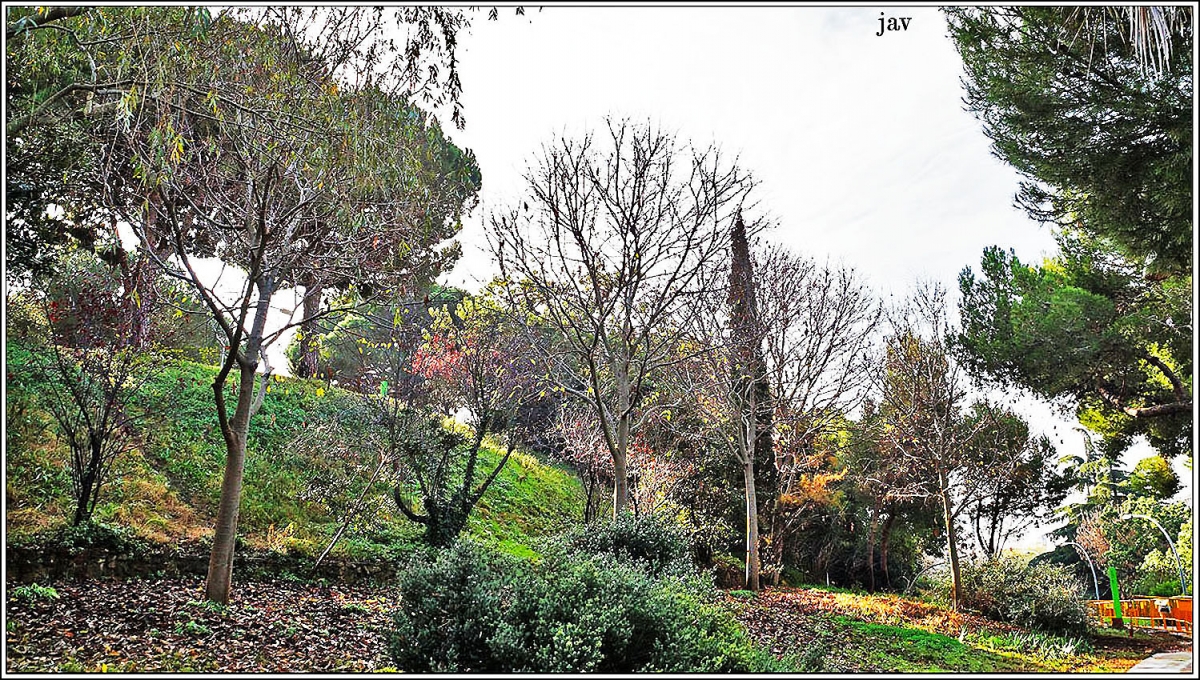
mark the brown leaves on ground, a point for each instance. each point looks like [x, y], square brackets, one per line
[882, 609]
[796, 621]
[157, 625]
[1121, 651]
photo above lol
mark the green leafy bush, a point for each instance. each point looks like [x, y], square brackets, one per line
[33, 592]
[472, 610]
[1007, 588]
[814, 658]
[96, 536]
[648, 540]
[450, 605]
[1162, 589]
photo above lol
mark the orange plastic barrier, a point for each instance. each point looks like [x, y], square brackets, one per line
[1165, 613]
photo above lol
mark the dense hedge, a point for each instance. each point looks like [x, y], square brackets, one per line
[468, 609]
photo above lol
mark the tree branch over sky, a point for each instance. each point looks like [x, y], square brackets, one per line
[610, 242]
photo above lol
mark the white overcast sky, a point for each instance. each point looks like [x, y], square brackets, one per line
[860, 143]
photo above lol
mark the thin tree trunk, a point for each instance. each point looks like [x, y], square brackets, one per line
[871, 533]
[621, 468]
[983, 545]
[85, 496]
[591, 490]
[235, 431]
[353, 512]
[310, 357]
[220, 563]
[883, 546]
[994, 538]
[140, 299]
[951, 542]
[764, 454]
[753, 564]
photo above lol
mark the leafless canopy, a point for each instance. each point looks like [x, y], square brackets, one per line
[819, 323]
[616, 234]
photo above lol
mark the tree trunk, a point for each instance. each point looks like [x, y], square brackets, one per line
[621, 468]
[620, 484]
[753, 565]
[764, 458]
[140, 299]
[871, 533]
[883, 546]
[994, 537]
[591, 492]
[749, 391]
[220, 563]
[83, 504]
[235, 431]
[310, 357]
[951, 542]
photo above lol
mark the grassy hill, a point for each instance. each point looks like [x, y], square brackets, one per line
[308, 458]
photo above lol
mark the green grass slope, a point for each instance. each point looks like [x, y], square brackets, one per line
[854, 632]
[308, 459]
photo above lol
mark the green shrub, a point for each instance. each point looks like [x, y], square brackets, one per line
[1157, 575]
[814, 658]
[96, 536]
[1162, 589]
[648, 540]
[450, 604]
[472, 610]
[1042, 596]
[33, 592]
[791, 576]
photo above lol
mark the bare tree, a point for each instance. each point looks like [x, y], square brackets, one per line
[718, 378]
[1019, 483]
[721, 409]
[889, 484]
[818, 327]
[799, 335]
[582, 445]
[607, 247]
[750, 396]
[468, 361]
[924, 398]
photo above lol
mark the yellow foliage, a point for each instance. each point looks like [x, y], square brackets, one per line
[813, 489]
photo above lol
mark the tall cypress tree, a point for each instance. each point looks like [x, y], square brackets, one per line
[752, 396]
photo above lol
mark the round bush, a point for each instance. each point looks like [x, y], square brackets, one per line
[472, 610]
[449, 605]
[1042, 596]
